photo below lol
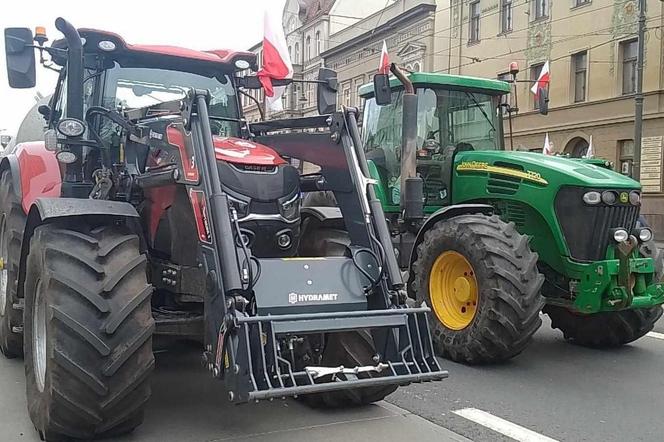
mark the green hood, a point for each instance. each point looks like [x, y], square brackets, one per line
[557, 171]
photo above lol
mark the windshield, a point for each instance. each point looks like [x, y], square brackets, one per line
[131, 88]
[447, 121]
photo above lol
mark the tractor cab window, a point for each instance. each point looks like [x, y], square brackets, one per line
[58, 101]
[448, 121]
[132, 88]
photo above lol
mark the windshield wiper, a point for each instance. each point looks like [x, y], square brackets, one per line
[472, 97]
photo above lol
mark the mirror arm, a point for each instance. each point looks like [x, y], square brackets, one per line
[251, 82]
[403, 78]
[258, 105]
[48, 49]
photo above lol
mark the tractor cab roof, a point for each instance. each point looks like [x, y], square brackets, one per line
[446, 81]
[115, 48]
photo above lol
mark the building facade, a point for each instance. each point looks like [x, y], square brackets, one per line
[591, 46]
[406, 26]
[308, 26]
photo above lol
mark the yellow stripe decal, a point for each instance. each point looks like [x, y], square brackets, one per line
[480, 166]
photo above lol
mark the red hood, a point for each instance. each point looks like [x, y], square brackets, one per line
[236, 150]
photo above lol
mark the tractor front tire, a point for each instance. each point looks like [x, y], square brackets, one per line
[88, 332]
[350, 349]
[480, 278]
[12, 224]
[604, 329]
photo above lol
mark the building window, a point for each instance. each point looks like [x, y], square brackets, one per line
[629, 50]
[580, 2]
[417, 67]
[346, 99]
[290, 52]
[319, 48]
[357, 84]
[474, 22]
[626, 151]
[297, 53]
[506, 16]
[541, 9]
[310, 95]
[535, 71]
[307, 49]
[579, 74]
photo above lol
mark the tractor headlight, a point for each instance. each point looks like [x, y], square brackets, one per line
[290, 209]
[71, 127]
[645, 234]
[635, 198]
[592, 198]
[620, 235]
[66, 157]
[609, 197]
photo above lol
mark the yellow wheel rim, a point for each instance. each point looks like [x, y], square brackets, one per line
[453, 290]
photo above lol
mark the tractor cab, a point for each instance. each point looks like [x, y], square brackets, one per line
[454, 114]
[122, 77]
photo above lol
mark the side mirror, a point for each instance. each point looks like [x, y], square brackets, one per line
[382, 90]
[20, 58]
[326, 93]
[5, 140]
[543, 101]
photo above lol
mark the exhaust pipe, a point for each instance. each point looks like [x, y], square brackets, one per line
[412, 186]
[74, 68]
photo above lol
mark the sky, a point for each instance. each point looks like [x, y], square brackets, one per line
[231, 24]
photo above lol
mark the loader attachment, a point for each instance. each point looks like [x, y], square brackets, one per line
[313, 322]
[271, 374]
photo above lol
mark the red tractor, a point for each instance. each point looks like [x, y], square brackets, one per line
[151, 208]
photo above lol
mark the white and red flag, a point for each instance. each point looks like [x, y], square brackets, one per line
[547, 149]
[276, 61]
[384, 65]
[543, 80]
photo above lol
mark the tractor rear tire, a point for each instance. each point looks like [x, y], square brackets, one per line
[350, 349]
[502, 281]
[604, 329]
[12, 224]
[88, 332]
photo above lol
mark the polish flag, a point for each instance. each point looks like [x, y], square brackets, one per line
[384, 65]
[276, 61]
[543, 79]
[547, 150]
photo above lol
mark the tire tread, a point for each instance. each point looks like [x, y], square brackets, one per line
[510, 299]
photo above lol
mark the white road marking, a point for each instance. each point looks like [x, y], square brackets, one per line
[502, 426]
[655, 335]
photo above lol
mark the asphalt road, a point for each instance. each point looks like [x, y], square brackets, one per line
[189, 406]
[556, 389]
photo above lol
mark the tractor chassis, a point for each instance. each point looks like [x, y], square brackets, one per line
[246, 351]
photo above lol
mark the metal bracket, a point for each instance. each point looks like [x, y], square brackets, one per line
[319, 372]
[625, 250]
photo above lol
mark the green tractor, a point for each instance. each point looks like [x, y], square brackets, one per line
[492, 237]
